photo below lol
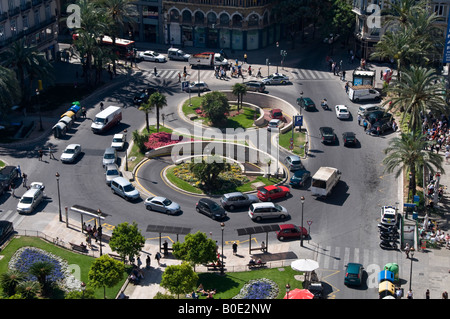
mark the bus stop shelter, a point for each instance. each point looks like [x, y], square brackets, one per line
[97, 214]
[167, 230]
[257, 230]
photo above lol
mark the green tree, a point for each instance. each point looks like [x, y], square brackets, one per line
[41, 270]
[28, 289]
[179, 279]
[421, 90]
[408, 153]
[88, 293]
[106, 272]
[127, 240]
[146, 107]
[9, 90]
[208, 171]
[158, 101]
[239, 90]
[10, 280]
[196, 249]
[139, 140]
[215, 105]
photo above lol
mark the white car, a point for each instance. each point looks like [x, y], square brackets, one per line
[274, 124]
[151, 56]
[31, 199]
[276, 78]
[71, 152]
[118, 141]
[389, 215]
[162, 204]
[342, 112]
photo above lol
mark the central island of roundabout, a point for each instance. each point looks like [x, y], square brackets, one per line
[250, 153]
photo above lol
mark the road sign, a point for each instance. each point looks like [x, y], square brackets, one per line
[184, 85]
[309, 222]
[291, 144]
[298, 120]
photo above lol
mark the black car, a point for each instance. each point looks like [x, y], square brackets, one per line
[143, 96]
[210, 208]
[6, 228]
[327, 135]
[379, 116]
[7, 175]
[383, 124]
[349, 138]
[306, 103]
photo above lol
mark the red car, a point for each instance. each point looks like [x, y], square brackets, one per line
[291, 231]
[268, 193]
[276, 114]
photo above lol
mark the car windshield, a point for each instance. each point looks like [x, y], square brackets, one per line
[117, 140]
[167, 202]
[70, 151]
[343, 110]
[295, 162]
[390, 216]
[26, 200]
[109, 156]
[278, 207]
[128, 188]
[99, 120]
[215, 206]
[112, 172]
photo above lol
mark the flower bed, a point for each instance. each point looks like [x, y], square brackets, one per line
[160, 139]
[258, 289]
[61, 274]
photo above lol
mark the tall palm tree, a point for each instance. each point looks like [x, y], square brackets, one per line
[9, 90]
[419, 91]
[407, 152]
[41, 270]
[146, 107]
[29, 64]
[158, 101]
[239, 90]
[400, 12]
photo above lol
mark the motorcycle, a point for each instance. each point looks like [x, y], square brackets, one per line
[385, 228]
[324, 104]
[389, 237]
[385, 244]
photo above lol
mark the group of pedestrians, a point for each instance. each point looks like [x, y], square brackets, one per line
[92, 232]
[51, 152]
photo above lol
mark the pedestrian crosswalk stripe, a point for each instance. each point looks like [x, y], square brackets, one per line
[13, 216]
[347, 255]
[337, 252]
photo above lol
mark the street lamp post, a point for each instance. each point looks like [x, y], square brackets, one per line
[222, 226]
[126, 149]
[59, 197]
[277, 48]
[410, 271]
[302, 199]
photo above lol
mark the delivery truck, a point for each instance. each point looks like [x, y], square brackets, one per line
[363, 93]
[324, 180]
[207, 59]
[106, 119]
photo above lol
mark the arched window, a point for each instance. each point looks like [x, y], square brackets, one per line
[253, 20]
[199, 17]
[212, 18]
[224, 19]
[187, 16]
[237, 20]
[174, 15]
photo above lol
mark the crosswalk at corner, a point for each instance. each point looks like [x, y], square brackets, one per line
[205, 75]
[12, 216]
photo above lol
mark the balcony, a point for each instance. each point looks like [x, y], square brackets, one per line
[13, 12]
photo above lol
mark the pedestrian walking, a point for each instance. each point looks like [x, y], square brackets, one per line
[410, 294]
[166, 248]
[365, 125]
[407, 249]
[179, 77]
[381, 74]
[24, 180]
[50, 152]
[83, 112]
[343, 75]
[101, 106]
[445, 295]
[89, 241]
[427, 294]
[447, 155]
[147, 261]
[359, 119]
[41, 153]
[235, 246]
[306, 148]
[139, 262]
[155, 71]
[158, 257]
[346, 87]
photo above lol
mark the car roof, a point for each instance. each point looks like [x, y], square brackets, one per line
[233, 194]
[207, 201]
[160, 198]
[294, 157]
[111, 166]
[7, 169]
[286, 226]
[31, 192]
[256, 205]
[118, 135]
[353, 267]
[276, 110]
[72, 145]
[349, 134]
[326, 129]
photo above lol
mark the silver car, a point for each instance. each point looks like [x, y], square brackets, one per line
[111, 172]
[233, 200]
[293, 162]
[196, 87]
[110, 156]
[31, 199]
[276, 78]
[162, 204]
[71, 152]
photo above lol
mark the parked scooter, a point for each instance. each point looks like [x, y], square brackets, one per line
[389, 236]
[324, 104]
[385, 228]
[385, 244]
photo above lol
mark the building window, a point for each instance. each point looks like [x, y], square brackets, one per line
[25, 22]
[48, 14]
[13, 24]
[440, 9]
[237, 20]
[199, 17]
[224, 20]
[187, 16]
[212, 18]
[37, 18]
[174, 16]
[253, 20]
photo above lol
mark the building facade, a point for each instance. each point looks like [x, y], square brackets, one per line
[227, 24]
[368, 30]
[34, 20]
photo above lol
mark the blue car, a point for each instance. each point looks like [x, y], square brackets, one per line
[299, 178]
[353, 274]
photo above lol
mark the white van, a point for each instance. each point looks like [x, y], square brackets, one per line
[258, 211]
[106, 119]
[324, 181]
[177, 54]
[30, 200]
[363, 92]
[124, 188]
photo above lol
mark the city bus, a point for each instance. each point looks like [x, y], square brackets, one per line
[123, 48]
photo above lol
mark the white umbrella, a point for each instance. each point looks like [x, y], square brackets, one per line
[304, 265]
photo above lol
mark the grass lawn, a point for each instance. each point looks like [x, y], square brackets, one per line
[231, 283]
[299, 140]
[83, 261]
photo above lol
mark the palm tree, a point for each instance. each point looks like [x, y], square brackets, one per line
[146, 107]
[9, 90]
[29, 64]
[400, 12]
[158, 101]
[10, 280]
[408, 152]
[28, 289]
[419, 91]
[41, 270]
[239, 90]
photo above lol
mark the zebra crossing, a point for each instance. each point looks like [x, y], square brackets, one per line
[12, 216]
[205, 75]
[335, 258]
